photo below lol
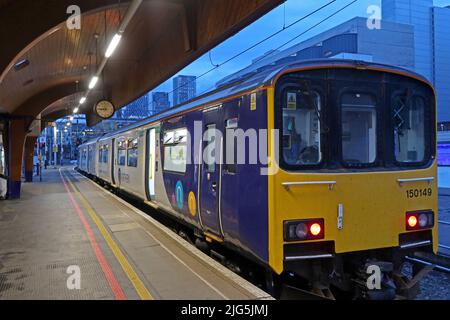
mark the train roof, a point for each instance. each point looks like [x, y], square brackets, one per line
[256, 79]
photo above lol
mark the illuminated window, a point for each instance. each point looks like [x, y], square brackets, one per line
[121, 153]
[175, 150]
[132, 153]
[359, 128]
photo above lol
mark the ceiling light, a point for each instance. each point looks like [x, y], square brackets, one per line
[93, 82]
[75, 110]
[71, 118]
[113, 45]
[82, 100]
[21, 64]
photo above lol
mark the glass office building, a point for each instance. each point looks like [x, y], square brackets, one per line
[431, 44]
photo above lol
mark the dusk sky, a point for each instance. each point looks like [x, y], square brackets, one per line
[268, 24]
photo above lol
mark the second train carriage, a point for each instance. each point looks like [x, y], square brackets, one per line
[352, 173]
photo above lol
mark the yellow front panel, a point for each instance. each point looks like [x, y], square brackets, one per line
[374, 205]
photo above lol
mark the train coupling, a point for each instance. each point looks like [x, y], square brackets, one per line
[374, 281]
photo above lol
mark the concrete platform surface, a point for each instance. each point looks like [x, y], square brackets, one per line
[67, 238]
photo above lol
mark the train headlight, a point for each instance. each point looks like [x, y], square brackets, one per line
[423, 220]
[419, 220]
[300, 230]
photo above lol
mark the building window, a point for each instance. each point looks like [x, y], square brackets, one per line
[409, 128]
[175, 150]
[132, 153]
[121, 153]
[301, 143]
[359, 128]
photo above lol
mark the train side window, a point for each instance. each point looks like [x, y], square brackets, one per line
[121, 153]
[100, 154]
[230, 146]
[359, 128]
[132, 153]
[409, 128]
[175, 150]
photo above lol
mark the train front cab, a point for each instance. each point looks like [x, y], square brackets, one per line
[356, 180]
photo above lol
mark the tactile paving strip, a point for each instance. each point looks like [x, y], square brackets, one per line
[49, 281]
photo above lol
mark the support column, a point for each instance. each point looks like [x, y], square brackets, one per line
[28, 157]
[16, 140]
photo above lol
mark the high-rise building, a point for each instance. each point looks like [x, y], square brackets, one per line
[418, 14]
[392, 44]
[185, 88]
[431, 43]
[160, 102]
[137, 109]
[441, 59]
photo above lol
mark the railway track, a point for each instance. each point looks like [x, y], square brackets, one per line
[444, 247]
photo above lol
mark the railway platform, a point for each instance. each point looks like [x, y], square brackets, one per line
[67, 238]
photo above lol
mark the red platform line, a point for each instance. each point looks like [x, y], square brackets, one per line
[106, 268]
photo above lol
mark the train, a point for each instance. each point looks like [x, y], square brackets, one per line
[322, 171]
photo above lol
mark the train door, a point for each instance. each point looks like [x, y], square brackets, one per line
[210, 170]
[229, 186]
[151, 162]
[113, 160]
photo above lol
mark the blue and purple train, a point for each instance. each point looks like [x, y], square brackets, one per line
[314, 170]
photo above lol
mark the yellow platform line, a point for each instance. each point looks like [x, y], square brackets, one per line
[141, 290]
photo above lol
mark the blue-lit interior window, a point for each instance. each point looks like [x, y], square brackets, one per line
[132, 153]
[121, 153]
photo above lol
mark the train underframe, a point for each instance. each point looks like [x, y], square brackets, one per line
[378, 274]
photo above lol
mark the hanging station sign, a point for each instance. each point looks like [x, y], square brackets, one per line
[104, 109]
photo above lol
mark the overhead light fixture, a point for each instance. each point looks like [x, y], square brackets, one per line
[93, 82]
[113, 45]
[75, 110]
[82, 100]
[21, 64]
[71, 118]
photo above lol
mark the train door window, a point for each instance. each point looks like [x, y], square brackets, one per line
[230, 146]
[2, 160]
[121, 153]
[409, 128]
[359, 128]
[100, 154]
[301, 141]
[210, 151]
[105, 153]
[175, 150]
[132, 153]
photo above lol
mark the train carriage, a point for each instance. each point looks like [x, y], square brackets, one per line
[344, 174]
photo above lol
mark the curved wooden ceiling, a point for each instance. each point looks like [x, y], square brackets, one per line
[162, 38]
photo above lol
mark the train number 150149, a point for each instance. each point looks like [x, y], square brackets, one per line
[418, 193]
